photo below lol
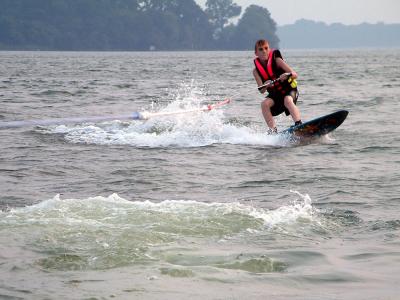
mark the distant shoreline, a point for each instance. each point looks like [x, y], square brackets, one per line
[310, 34]
[185, 51]
[128, 25]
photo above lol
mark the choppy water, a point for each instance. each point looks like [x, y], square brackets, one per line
[199, 206]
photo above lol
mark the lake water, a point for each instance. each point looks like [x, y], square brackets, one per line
[199, 205]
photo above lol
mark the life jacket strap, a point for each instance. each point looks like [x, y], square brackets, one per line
[266, 74]
[261, 69]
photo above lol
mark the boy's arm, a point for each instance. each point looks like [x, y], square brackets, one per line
[259, 81]
[285, 67]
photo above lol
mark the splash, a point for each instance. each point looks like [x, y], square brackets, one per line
[299, 211]
[194, 129]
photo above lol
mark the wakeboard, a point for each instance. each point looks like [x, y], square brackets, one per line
[317, 127]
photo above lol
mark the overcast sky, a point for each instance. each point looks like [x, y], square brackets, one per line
[342, 11]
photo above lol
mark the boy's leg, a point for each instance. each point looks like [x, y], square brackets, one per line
[292, 108]
[266, 111]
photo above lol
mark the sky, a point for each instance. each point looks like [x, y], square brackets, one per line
[337, 11]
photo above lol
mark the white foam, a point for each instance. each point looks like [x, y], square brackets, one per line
[184, 130]
[95, 211]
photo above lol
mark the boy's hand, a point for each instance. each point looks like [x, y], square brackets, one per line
[265, 85]
[285, 76]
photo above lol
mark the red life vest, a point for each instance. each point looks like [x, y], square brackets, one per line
[272, 73]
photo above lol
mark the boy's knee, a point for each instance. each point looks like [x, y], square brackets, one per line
[288, 101]
[267, 103]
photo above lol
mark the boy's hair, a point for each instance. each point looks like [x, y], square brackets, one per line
[260, 43]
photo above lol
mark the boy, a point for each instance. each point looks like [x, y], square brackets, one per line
[283, 94]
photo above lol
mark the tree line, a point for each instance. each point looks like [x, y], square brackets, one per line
[132, 25]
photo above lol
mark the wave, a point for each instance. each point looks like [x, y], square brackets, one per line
[107, 232]
[114, 210]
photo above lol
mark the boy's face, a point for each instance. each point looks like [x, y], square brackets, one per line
[262, 52]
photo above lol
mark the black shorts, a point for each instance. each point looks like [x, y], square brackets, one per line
[279, 106]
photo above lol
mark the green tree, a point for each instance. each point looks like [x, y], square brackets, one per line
[129, 25]
[176, 24]
[219, 13]
[256, 23]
